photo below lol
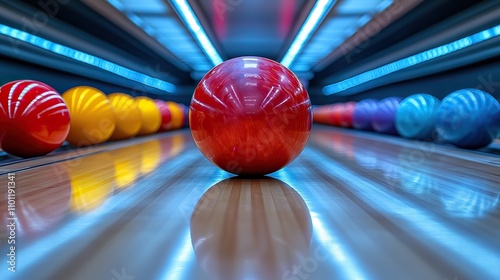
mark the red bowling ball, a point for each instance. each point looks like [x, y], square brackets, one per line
[347, 113]
[166, 116]
[250, 116]
[336, 114]
[34, 119]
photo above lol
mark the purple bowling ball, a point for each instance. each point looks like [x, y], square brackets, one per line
[384, 118]
[363, 114]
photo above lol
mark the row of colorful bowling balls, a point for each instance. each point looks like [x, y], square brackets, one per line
[35, 119]
[467, 118]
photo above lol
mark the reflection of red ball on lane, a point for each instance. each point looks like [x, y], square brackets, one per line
[42, 198]
[250, 116]
[34, 120]
[251, 240]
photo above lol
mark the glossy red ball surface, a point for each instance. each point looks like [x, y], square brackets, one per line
[250, 116]
[34, 119]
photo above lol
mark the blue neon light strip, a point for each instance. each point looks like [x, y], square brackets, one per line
[195, 27]
[86, 58]
[412, 60]
[318, 12]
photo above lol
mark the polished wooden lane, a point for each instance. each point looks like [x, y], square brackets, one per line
[354, 205]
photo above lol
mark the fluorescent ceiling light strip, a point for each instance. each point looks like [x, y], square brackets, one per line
[318, 12]
[117, 4]
[193, 24]
[169, 32]
[86, 58]
[412, 60]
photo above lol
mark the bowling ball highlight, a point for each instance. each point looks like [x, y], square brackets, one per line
[151, 116]
[92, 116]
[469, 118]
[128, 116]
[34, 119]
[416, 116]
[250, 116]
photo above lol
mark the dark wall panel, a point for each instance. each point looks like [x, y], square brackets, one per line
[12, 69]
[485, 76]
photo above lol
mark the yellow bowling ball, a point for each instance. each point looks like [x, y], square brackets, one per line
[177, 115]
[92, 116]
[151, 116]
[128, 116]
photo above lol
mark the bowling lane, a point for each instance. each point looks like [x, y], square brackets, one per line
[354, 205]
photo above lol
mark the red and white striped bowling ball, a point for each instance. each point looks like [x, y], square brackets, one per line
[34, 119]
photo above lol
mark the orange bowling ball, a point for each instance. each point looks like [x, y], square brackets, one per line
[151, 116]
[128, 116]
[177, 115]
[92, 116]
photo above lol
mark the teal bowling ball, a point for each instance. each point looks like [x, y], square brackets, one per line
[416, 116]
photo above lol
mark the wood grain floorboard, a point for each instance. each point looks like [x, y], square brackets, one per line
[354, 205]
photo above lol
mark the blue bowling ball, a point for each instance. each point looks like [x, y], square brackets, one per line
[416, 116]
[363, 114]
[469, 118]
[384, 118]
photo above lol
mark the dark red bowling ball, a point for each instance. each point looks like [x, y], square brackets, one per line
[250, 116]
[346, 114]
[166, 116]
[34, 119]
[336, 114]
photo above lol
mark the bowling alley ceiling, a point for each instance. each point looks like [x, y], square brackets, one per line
[343, 49]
